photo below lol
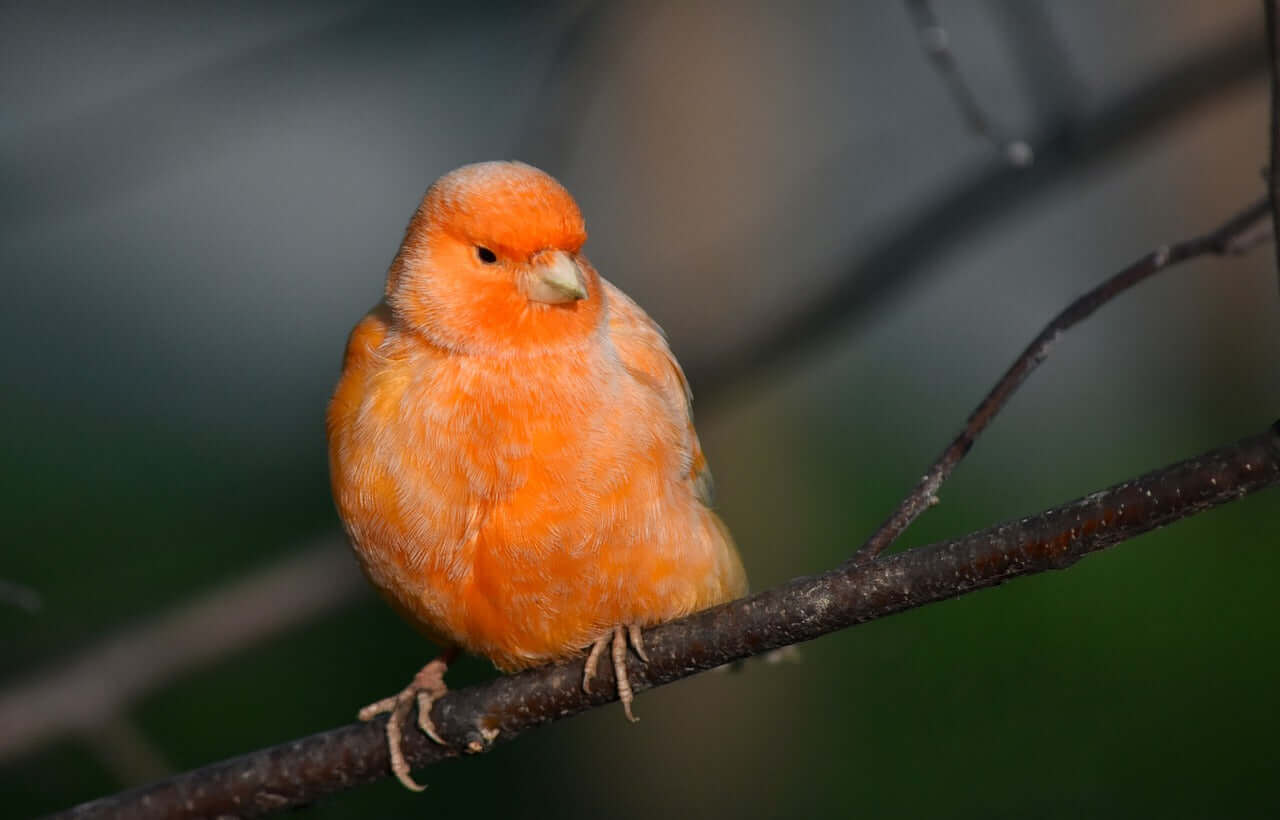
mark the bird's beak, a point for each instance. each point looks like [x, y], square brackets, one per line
[555, 279]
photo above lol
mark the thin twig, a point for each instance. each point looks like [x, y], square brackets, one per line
[874, 273]
[1273, 171]
[936, 43]
[1222, 240]
[473, 719]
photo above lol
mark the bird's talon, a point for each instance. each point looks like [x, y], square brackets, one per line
[425, 701]
[425, 689]
[593, 661]
[383, 706]
[616, 641]
[625, 693]
[637, 642]
[399, 765]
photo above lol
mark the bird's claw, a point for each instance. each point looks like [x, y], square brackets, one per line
[425, 689]
[616, 641]
[428, 727]
[637, 641]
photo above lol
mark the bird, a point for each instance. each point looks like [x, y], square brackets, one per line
[512, 450]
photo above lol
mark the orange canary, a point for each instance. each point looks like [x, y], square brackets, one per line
[511, 446]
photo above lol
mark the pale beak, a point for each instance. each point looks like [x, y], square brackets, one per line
[555, 279]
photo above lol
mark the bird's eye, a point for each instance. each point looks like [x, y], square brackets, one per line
[486, 256]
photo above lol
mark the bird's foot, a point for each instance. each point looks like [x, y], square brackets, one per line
[616, 641]
[425, 689]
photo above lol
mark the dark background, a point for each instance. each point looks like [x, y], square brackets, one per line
[197, 201]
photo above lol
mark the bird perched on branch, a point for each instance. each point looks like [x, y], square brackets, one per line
[511, 446]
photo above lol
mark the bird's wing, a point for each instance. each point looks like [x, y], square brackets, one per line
[643, 350]
[362, 345]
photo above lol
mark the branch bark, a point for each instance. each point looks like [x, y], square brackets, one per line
[1237, 234]
[473, 719]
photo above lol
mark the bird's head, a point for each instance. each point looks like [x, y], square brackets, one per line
[491, 264]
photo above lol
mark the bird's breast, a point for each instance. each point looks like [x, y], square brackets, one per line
[446, 451]
[507, 424]
[514, 506]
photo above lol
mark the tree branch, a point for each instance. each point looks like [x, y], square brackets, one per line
[1064, 150]
[296, 773]
[936, 43]
[1237, 234]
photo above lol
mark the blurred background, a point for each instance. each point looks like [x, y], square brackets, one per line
[197, 201]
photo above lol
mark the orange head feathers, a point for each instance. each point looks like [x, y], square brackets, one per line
[491, 263]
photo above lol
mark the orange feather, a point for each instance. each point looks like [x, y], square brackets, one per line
[511, 446]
